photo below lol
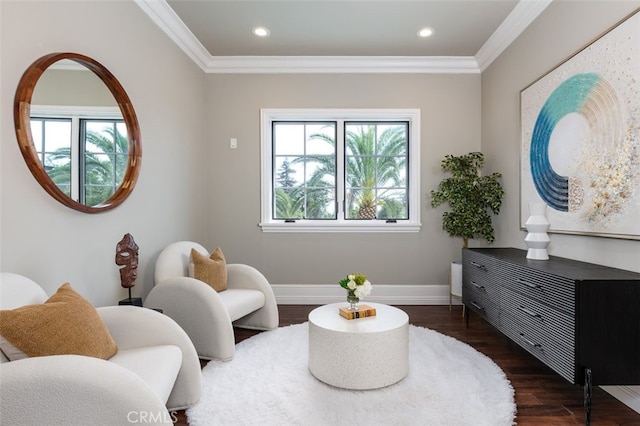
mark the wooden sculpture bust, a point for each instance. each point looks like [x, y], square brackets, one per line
[127, 256]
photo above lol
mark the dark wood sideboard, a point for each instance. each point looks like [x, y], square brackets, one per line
[580, 319]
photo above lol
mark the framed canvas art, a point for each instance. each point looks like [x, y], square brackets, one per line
[580, 147]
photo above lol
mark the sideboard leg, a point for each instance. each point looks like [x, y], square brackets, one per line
[465, 314]
[587, 396]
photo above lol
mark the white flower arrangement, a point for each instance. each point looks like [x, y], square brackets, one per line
[357, 284]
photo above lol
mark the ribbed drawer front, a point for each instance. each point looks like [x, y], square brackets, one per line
[547, 288]
[557, 356]
[481, 304]
[549, 322]
[481, 273]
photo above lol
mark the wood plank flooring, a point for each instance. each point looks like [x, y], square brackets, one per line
[542, 396]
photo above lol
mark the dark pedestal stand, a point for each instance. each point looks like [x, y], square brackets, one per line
[135, 301]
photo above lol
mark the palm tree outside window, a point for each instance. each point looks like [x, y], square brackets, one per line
[376, 166]
[105, 150]
[341, 172]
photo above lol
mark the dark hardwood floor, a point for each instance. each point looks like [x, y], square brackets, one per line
[542, 396]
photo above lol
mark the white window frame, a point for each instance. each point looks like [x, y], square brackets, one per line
[268, 224]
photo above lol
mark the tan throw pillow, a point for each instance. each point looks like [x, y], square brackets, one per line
[65, 324]
[212, 270]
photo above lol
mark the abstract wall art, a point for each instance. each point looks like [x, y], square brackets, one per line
[580, 148]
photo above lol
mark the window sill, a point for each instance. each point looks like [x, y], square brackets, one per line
[315, 227]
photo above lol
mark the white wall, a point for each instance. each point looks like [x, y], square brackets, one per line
[450, 124]
[51, 243]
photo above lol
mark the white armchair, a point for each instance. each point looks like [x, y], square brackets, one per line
[155, 371]
[208, 316]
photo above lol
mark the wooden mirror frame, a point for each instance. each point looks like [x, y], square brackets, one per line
[22, 120]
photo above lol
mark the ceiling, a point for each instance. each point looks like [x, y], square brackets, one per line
[337, 35]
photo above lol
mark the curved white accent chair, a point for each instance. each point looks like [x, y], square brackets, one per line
[155, 371]
[206, 315]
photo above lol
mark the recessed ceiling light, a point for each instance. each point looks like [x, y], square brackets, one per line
[425, 32]
[261, 31]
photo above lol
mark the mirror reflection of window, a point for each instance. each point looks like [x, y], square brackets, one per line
[84, 150]
[79, 133]
[105, 152]
[52, 140]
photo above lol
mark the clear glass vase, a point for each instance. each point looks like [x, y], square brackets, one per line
[353, 300]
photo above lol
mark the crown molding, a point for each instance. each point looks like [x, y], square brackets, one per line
[342, 64]
[168, 21]
[525, 12]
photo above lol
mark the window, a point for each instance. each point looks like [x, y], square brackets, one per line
[340, 170]
[84, 153]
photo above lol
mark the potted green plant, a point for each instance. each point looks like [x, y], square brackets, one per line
[470, 196]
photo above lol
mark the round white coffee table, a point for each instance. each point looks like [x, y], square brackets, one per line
[363, 353]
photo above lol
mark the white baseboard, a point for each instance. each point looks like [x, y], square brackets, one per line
[320, 294]
[628, 395]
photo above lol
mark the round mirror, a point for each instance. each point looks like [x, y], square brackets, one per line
[78, 132]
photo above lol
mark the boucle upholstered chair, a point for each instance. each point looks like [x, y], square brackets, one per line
[206, 315]
[155, 371]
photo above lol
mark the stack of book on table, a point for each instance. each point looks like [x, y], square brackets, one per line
[363, 311]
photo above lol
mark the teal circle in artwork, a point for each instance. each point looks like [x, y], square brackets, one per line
[575, 95]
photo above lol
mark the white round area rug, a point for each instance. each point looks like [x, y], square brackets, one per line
[268, 383]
